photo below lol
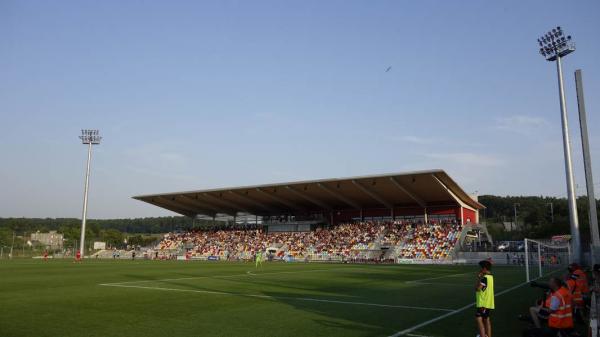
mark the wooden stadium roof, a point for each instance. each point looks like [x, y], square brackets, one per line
[418, 189]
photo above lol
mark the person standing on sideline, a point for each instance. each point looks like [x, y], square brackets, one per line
[484, 298]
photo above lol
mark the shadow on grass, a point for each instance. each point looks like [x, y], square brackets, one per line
[375, 287]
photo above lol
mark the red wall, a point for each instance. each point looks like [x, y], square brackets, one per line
[442, 211]
[340, 216]
[469, 216]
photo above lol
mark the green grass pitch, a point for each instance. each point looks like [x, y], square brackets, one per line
[174, 298]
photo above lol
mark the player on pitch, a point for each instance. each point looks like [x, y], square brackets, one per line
[484, 299]
[259, 258]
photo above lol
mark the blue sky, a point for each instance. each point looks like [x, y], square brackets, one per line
[202, 94]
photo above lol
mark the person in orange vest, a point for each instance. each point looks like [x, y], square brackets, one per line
[582, 279]
[577, 296]
[583, 285]
[540, 312]
[558, 309]
[575, 289]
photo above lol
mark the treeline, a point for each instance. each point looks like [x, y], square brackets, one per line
[537, 217]
[139, 231]
[137, 225]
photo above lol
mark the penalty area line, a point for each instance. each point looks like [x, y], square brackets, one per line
[218, 276]
[251, 273]
[436, 278]
[406, 332]
[305, 299]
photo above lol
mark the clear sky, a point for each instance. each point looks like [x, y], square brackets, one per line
[203, 94]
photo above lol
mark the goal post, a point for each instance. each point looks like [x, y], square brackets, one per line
[542, 259]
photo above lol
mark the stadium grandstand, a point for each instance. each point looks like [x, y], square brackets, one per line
[422, 215]
[423, 195]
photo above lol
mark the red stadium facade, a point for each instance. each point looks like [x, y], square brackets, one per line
[464, 215]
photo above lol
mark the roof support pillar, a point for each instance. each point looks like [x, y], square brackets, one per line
[339, 196]
[253, 202]
[372, 194]
[175, 207]
[197, 203]
[279, 199]
[405, 190]
[308, 198]
[227, 203]
[454, 196]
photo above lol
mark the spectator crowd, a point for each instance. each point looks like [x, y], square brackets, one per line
[343, 241]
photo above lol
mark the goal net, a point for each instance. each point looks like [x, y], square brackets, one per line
[545, 258]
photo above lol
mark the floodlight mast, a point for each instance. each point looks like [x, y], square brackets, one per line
[554, 45]
[88, 137]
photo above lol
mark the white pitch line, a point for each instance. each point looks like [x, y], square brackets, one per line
[470, 305]
[443, 284]
[435, 278]
[307, 299]
[222, 276]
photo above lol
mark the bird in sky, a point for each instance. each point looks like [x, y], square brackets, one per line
[388, 69]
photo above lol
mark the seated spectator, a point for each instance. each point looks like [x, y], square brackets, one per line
[560, 317]
[343, 241]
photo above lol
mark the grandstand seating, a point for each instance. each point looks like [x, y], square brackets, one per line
[348, 241]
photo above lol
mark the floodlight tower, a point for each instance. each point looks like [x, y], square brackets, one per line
[554, 45]
[88, 137]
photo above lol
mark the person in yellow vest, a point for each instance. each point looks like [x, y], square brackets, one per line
[484, 298]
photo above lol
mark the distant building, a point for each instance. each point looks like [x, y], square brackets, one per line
[52, 239]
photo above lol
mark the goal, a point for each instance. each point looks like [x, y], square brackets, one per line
[545, 258]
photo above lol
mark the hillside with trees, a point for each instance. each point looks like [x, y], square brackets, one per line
[537, 217]
[114, 232]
